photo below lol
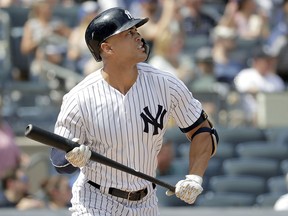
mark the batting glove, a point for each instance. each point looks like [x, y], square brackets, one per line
[188, 189]
[78, 156]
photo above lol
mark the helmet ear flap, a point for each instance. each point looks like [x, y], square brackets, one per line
[92, 45]
[147, 49]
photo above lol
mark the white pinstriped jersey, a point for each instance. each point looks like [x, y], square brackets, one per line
[126, 128]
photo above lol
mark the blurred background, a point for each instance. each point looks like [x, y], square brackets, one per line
[231, 54]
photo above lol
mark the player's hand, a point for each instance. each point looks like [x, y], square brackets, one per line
[78, 156]
[188, 189]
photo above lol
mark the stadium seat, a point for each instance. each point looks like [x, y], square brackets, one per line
[241, 134]
[183, 149]
[276, 134]
[238, 184]
[262, 149]
[283, 137]
[284, 166]
[18, 15]
[212, 199]
[225, 150]
[181, 166]
[214, 167]
[67, 14]
[251, 166]
[277, 184]
[176, 135]
[267, 199]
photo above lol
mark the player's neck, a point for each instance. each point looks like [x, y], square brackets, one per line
[119, 78]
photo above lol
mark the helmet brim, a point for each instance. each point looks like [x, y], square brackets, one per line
[135, 22]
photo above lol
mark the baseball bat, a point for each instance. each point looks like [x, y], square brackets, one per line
[62, 143]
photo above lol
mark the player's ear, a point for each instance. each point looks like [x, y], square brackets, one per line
[106, 48]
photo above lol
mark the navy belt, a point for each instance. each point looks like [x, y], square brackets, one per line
[133, 195]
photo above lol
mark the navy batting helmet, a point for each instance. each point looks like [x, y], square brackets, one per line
[108, 23]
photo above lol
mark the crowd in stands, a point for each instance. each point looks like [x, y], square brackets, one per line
[219, 46]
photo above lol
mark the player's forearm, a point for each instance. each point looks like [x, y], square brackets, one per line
[200, 154]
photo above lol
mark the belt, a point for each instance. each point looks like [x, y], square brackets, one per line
[133, 195]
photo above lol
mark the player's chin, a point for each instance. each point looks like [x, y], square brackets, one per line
[142, 56]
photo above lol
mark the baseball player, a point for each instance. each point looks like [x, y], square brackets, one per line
[121, 111]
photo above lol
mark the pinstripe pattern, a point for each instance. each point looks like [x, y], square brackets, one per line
[110, 124]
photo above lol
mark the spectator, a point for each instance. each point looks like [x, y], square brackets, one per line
[10, 154]
[57, 192]
[205, 78]
[277, 40]
[78, 55]
[160, 18]
[282, 63]
[194, 20]
[279, 28]
[44, 37]
[260, 77]
[247, 19]
[282, 203]
[224, 44]
[168, 56]
[15, 193]
[205, 82]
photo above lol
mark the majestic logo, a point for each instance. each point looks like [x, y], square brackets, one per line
[148, 118]
[128, 15]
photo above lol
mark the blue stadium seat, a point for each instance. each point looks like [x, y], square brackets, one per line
[68, 14]
[228, 199]
[238, 184]
[214, 167]
[241, 134]
[277, 184]
[181, 166]
[251, 166]
[284, 166]
[262, 149]
[267, 199]
[176, 135]
[225, 150]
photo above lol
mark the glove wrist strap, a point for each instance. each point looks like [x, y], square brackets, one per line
[195, 178]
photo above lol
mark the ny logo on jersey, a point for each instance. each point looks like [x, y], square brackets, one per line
[128, 14]
[148, 118]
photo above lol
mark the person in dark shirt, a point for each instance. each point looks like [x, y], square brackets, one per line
[195, 20]
[15, 191]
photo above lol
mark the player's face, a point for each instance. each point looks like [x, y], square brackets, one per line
[128, 46]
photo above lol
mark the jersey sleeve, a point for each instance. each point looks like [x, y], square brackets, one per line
[68, 125]
[186, 109]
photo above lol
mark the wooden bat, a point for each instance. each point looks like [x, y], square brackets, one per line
[67, 145]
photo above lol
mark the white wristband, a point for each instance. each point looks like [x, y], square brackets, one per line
[195, 178]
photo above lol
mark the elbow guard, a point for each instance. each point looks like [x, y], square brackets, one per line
[211, 130]
[214, 137]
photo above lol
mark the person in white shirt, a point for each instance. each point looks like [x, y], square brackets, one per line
[260, 77]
